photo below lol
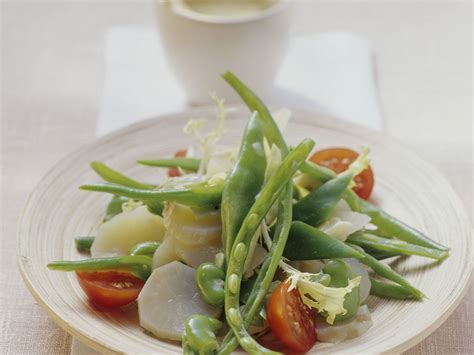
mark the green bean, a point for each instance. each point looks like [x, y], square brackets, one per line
[83, 243]
[199, 334]
[307, 243]
[391, 226]
[267, 197]
[196, 194]
[386, 271]
[190, 164]
[270, 128]
[267, 271]
[389, 290]
[386, 223]
[395, 246]
[315, 208]
[341, 273]
[317, 172]
[139, 265]
[115, 207]
[114, 177]
[210, 282]
[243, 183]
[145, 248]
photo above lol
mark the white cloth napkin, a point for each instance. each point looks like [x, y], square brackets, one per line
[332, 72]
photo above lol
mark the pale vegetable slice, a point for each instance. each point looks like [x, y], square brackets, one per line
[195, 256]
[258, 257]
[360, 270]
[192, 228]
[165, 253]
[169, 298]
[342, 222]
[118, 235]
[191, 236]
[345, 330]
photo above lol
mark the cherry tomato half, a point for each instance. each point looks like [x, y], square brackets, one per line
[173, 172]
[110, 289]
[290, 320]
[338, 160]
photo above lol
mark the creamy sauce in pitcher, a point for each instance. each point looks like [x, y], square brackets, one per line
[228, 8]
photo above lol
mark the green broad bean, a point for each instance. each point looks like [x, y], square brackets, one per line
[200, 334]
[210, 282]
[341, 273]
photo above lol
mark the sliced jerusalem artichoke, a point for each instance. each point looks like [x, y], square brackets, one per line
[134, 225]
[345, 330]
[169, 298]
[342, 221]
[192, 228]
[194, 237]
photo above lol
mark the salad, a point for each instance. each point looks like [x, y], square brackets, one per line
[267, 246]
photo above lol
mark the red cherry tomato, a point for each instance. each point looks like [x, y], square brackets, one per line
[290, 320]
[338, 160]
[110, 289]
[173, 172]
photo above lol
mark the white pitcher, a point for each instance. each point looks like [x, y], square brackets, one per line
[203, 41]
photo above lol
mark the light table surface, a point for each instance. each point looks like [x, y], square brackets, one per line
[52, 82]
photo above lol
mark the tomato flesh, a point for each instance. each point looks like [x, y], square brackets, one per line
[173, 172]
[110, 289]
[338, 160]
[290, 320]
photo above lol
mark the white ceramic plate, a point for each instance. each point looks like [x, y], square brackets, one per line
[405, 186]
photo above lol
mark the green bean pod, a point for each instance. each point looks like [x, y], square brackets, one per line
[145, 248]
[386, 223]
[200, 334]
[267, 197]
[243, 183]
[196, 194]
[394, 246]
[210, 282]
[341, 273]
[139, 265]
[115, 177]
[386, 271]
[389, 290]
[83, 243]
[307, 243]
[314, 209]
[270, 128]
[189, 164]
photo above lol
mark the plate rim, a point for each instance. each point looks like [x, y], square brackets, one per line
[323, 120]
